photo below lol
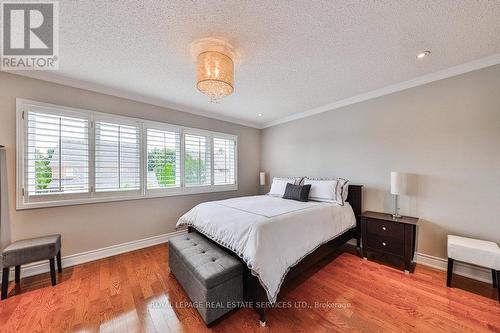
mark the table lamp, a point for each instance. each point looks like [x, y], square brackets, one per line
[397, 188]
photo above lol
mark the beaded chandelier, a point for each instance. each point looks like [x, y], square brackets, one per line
[215, 68]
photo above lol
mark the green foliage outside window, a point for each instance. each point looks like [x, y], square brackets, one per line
[194, 169]
[162, 162]
[43, 170]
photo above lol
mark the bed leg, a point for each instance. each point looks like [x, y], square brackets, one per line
[262, 316]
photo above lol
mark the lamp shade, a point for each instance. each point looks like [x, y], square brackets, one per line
[262, 176]
[397, 183]
[215, 75]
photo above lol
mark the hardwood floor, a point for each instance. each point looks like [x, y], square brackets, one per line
[135, 292]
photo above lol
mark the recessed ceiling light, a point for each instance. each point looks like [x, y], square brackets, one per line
[423, 54]
[260, 114]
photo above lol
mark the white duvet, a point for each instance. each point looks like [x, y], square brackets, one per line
[271, 234]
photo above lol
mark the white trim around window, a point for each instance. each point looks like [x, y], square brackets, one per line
[64, 152]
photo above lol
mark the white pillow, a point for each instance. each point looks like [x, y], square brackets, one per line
[321, 190]
[328, 190]
[279, 184]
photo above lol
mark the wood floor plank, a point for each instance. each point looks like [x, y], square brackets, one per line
[135, 292]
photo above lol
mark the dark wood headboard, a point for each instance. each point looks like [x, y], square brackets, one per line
[355, 199]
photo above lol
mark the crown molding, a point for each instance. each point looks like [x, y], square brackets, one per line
[421, 80]
[50, 76]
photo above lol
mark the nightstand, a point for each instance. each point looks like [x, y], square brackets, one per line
[383, 234]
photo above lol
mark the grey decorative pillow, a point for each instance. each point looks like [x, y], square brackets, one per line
[297, 192]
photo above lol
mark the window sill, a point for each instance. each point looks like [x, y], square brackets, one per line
[149, 195]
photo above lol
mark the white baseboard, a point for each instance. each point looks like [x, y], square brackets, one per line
[464, 269]
[460, 268]
[80, 258]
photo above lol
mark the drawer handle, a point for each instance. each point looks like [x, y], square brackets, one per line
[384, 228]
[384, 244]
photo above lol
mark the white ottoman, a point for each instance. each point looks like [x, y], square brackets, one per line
[477, 252]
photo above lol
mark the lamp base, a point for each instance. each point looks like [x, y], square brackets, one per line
[396, 214]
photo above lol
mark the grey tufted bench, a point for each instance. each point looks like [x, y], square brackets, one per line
[30, 250]
[212, 278]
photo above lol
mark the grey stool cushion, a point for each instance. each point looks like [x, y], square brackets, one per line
[212, 278]
[30, 250]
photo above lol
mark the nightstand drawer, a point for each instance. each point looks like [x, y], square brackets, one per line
[385, 229]
[386, 244]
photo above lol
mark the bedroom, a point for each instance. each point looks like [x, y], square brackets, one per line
[154, 112]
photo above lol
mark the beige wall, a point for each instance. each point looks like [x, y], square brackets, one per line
[445, 134]
[93, 226]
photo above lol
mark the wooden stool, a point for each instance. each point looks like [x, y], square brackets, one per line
[30, 250]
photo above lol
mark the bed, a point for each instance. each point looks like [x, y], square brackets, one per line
[275, 238]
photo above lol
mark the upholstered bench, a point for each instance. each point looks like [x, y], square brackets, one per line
[30, 250]
[211, 277]
[477, 252]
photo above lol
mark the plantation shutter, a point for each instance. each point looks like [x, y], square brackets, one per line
[163, 159]
[117, 157]
[224, 161]
[197, 160]
[56, 154]
[69, 156]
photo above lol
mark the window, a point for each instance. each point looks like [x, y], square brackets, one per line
[224, 161]
[57, 154]
[197, 168]
[117, 159]
[164, 159]
[70, 156]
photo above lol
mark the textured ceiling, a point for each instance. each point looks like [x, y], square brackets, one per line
[295, 55]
